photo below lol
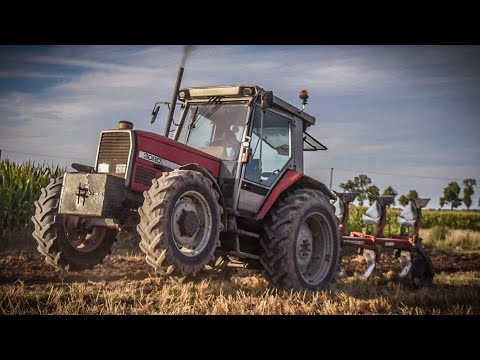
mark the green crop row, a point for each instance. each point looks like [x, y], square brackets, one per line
[20, 186]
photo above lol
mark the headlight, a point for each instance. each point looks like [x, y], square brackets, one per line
[104, 168]
[120, 168]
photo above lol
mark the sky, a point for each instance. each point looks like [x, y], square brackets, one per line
[407, 116]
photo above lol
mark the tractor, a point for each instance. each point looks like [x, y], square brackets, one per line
[226, 184]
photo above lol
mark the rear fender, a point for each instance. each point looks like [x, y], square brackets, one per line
[289, 181]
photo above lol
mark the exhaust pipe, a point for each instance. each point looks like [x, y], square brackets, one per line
[174, 101]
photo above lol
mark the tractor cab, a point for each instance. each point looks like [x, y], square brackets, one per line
[257, 136]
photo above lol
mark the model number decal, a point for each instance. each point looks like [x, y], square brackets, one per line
[150, 157]
[157, 160]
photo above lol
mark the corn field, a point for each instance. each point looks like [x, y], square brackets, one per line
[452, 219]
[20, 186]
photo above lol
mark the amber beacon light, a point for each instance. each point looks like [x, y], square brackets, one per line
[303, 96]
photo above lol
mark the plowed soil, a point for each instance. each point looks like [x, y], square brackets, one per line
[30, 268]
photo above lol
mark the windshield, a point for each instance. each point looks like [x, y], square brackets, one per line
[215, 128]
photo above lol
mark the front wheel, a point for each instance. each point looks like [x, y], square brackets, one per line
[180, 222]
[68, 241]
[301, 241]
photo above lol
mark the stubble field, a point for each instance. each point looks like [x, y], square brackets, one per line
[125, 284]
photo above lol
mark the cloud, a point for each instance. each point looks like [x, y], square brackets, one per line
[95, 65]
[29, 74]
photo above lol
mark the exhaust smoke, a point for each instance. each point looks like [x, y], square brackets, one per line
[187, 50]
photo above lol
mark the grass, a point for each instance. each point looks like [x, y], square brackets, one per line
[459, 240]
[125, 284]
[453, 294]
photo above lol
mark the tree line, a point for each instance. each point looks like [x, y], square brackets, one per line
[451, 193]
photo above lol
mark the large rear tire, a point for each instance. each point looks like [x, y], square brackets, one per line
[180, 223]
[301, 242]
[61, 245]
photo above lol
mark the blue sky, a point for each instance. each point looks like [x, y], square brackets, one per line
[407, 116]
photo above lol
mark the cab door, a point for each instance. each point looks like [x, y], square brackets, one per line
[270, 156]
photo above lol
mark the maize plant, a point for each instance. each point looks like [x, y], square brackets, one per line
[20, 186]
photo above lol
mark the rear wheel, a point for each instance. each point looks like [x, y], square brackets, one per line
[301, 243]
[68, 241]
[180, 222]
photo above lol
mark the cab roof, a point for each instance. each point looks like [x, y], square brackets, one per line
[236, 91]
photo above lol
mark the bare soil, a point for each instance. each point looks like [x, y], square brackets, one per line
[29, 267]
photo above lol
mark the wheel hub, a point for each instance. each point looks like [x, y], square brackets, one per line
[188, 223]
[191, 223]
[304, 246]
[314, 248]
[82, 236]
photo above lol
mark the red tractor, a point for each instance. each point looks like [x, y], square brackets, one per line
[227, 184]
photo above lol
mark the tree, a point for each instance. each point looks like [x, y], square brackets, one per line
[468, 191]
[451, 195]
[360, 183]
[390, 191]
[372, 192]
[404, 199]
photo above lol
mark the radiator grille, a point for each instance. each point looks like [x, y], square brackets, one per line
[114, 150]
[144, 175]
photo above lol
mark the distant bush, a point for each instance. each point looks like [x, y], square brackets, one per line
[439, 233]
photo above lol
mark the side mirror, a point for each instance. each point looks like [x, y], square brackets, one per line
[155, 111]
[283, 150]
[267, 99]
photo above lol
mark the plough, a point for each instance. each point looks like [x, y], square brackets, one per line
[414, 262]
